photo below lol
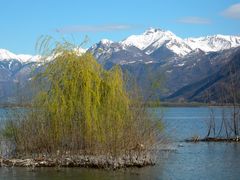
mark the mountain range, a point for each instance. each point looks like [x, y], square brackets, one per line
[186, 64]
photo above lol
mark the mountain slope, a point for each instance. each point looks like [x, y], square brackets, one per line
[216, 86]
[108, 51]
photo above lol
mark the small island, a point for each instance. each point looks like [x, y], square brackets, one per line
[81, 115]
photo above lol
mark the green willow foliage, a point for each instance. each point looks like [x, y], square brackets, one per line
[85, 96]
[84, 109]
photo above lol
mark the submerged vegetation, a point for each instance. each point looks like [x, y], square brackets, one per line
[82, 109]
[226, 127]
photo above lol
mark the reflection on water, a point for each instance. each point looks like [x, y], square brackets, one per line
[189, 161]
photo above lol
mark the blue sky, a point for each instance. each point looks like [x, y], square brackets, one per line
[22, 22]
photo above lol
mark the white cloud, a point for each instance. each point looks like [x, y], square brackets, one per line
[94, 28]
[194, 20]
[232, 11]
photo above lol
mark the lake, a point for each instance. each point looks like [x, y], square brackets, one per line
[185, 160]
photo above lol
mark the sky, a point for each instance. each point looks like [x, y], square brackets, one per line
[22, 22]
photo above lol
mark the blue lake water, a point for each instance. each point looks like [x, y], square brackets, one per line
[186, 161]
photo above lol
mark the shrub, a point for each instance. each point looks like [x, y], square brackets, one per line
[82, 109]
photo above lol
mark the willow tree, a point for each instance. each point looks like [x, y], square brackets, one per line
[82, 108]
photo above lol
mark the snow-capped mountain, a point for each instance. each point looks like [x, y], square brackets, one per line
[108, 51]
[153, 45]
[156, 52]
[102, 49]
[160, 46]
[6, 55]
[214, 43]
[152, 39]
[25, 58]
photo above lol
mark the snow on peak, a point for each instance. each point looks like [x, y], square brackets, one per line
[7, 55]
[106, 41]
[214, 43]
[153, 38]
[23, 58]
[149, 37]
[79, 50]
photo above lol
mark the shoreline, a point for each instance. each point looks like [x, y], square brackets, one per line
[98, 162]
[173, 104]
[212, 139]
[148, 104]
